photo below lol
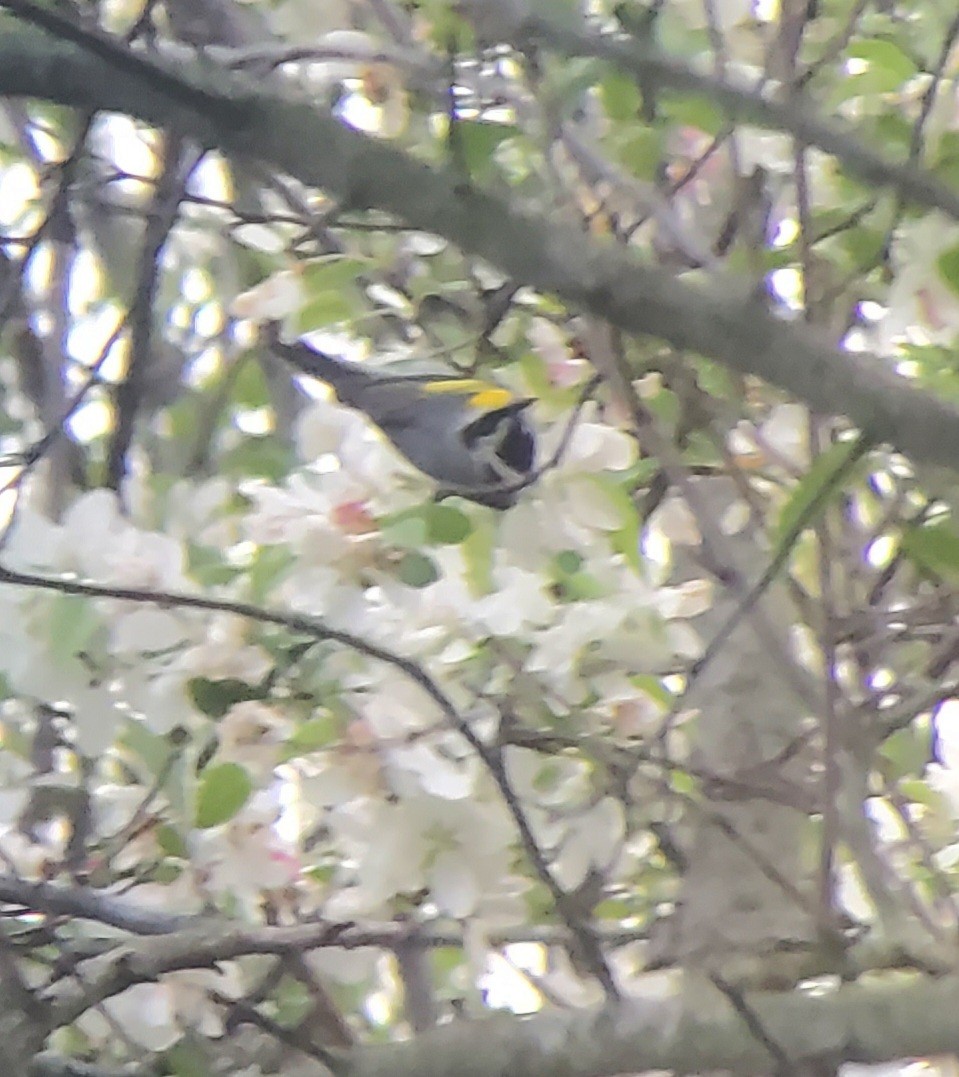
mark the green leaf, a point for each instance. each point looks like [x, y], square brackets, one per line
[270, 563]
[683, 783]
[182, 419]
[947, 265]
[566, 80]
[894, 133]
[478, 551]
[908, 750]
[73, 620]
[919, 791]
[947, 157]
[15, 739]
[810, 489]
[215, 698]
[655, 689]
[166, 872]
[889, 66]
[326, 308]
[936, 367]
[152, 748]
[292, 1001]
[613, 909]
[324, 874]
[186, 1060]
[332, 274]
[934, 548]
[620, 96]
[583, 587]
[407, 530]
[446, 525]
[864, 244]
[445, 28]
[642, 152]
[445, 960]
[568, 561]
[266, 457]
[249, 388]
[209, 567]
[417, 570]
[223, 791]
[311, 736]
[477, 141]
[171, 842]
[694, 112]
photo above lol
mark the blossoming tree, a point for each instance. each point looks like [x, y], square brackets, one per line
[307, 768]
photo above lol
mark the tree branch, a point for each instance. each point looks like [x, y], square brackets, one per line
[125, 913]
[118, 55]
[744, 102]
[715, 320]
[870, 1024]
[588, 945]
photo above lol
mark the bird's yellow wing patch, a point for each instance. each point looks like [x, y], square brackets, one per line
[481, 394]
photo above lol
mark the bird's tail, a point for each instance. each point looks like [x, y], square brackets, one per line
[346, 378]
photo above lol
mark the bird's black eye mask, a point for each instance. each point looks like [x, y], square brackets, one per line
[506, 433]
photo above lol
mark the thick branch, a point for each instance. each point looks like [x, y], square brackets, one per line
[362, 173]
[855, 1023]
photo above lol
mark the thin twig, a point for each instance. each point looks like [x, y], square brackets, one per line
[117, 53]
[810, 511]
[317, 629]
[784, 1064]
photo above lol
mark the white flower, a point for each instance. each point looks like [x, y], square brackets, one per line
[94, 707]
[675, 521]
[145, 629]
[15, 778]
[598, 447]
[786, 430]
[546, 781]
[33, 542]
[96, 716]
[222, 651]
[29, 858]
[324, 427]
[274, 298]
[549, 342]
[395, 706]
[440, 767]
[460, 849]
[146, 1014]
[322, 518]
[156, 691]
[345, 966]
[245, 856]
[592, 840]
[155, 1015]
[921, 306]
[251, 733]
[945, 781]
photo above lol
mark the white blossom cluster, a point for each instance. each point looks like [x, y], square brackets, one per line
[345, 746]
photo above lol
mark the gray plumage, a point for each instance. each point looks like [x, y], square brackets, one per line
[481, 455]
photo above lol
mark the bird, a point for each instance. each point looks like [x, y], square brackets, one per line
[472, 437]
